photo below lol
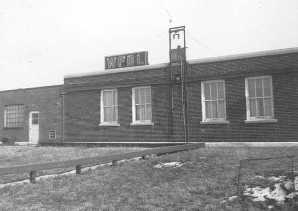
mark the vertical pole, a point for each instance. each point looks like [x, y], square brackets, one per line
[292, 172]
[78, 169]
[183, 99]
[32, 176]
[114, 163]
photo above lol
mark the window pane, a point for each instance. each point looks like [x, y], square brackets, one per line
[213, 91]
[140, 112]
[267, 87]
[115, 100]
[208, 109]
[137, 95]
[251, 88]
[108, 98]
[142, 95]
[252, 107]
[148, 95]
[259, 88]
[108, 114]
[148, 112]
[214, 109]
[268, 107]
[260, 107]
[207, 91]
[221, 109]
[115, 114]
[220, 87]
[14, 116]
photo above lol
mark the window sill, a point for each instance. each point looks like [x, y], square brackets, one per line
[260, 120]
[142, 123]
[213, 122]
[105, 124]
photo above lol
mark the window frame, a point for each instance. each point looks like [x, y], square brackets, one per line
[17, 123]
[55, 134]
[102, 122]
[206, 120]
[140, 122]
[249, 118]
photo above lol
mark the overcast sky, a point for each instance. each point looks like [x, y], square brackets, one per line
[42, 40]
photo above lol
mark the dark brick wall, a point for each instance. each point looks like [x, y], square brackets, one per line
[82, 103]
[46, 100]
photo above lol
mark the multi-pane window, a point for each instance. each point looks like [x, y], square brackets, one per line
[109, 106]
[259, 97]
[52, 134]
[141, 104]
[213, 100]
[14, 116]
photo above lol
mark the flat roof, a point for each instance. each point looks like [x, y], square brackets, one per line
[192, 61]
[38, 87]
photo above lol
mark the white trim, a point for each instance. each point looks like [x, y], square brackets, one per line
[109, 124]
[215, 120]
[192, 61]
[127, 142]
[261, 121]
[141, 123]
[250, 119]
[102, 122]
[133, 106]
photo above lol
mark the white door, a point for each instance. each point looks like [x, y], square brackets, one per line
[34, 127]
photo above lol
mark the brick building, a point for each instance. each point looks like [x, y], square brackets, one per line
[247, 97]
[32, 115]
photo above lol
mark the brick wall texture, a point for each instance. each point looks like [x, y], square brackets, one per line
[46, 100]
[82, 103]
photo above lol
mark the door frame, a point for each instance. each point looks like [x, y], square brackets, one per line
[30, 125]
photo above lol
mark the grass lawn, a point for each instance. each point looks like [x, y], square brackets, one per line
[207, 177]
[22, 155]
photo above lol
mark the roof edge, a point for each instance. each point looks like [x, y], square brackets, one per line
[244, 55]
[38, 87]
[192, 61]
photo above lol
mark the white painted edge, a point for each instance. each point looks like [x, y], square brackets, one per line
[192, 61]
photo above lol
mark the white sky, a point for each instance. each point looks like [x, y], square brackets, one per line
[42, 40]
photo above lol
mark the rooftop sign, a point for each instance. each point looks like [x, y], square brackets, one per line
[126, 60]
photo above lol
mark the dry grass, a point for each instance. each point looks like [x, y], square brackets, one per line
[206, 178]
[20, 155]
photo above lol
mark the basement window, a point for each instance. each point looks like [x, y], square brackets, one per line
[52, 134]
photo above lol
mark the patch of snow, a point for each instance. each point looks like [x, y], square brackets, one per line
[262, 194]
[296, 183]
[168, 164]
[259, 177]
[232, 198]
[276, 179]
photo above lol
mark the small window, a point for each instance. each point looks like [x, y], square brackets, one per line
[14, 116]
[213, 100]
[109, 106]
[141, 105]
[34, 118]
[52, 134]
[259, 98]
